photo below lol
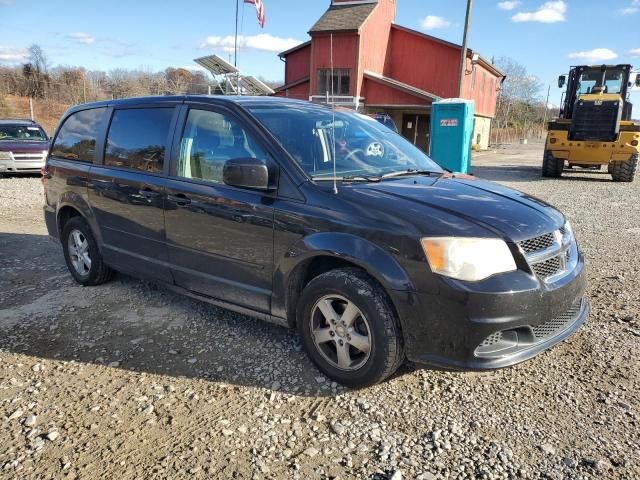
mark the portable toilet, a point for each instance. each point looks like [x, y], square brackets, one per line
[451, 132]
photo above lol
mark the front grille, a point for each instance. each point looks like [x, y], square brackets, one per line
[548, 267]
[555, 325]
[596, 120]
[549, 255]
[28, 157]
[492, 339]
[538, 243]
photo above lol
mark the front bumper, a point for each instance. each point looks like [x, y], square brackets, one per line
[23, 163]
[448, 328]
[592, 152]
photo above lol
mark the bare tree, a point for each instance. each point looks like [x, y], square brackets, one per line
[36, 72]
[520, 107]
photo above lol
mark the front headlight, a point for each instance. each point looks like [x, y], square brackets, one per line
[44, 153]
[5, 156]
[470, 259]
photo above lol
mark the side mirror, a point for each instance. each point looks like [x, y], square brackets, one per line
[561, 81]
[638, 80]
[246, 173]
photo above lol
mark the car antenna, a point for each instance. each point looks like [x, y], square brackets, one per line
[333, 122]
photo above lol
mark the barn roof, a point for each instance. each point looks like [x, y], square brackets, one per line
[343, 18]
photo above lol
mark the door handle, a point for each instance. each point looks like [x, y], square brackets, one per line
[148, 193]
[179, 199]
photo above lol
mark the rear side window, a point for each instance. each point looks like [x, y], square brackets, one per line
[76, 139]
[137, 138]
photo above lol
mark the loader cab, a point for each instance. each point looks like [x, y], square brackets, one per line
[610, 80]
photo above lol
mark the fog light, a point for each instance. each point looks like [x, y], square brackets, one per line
[553, 140]
[634, 143]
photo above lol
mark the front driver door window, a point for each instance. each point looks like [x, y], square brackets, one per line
[208, 141]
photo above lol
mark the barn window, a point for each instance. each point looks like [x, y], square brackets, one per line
[341, 81]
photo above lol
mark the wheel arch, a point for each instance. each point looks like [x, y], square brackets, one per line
[71, 205]
[322, 252]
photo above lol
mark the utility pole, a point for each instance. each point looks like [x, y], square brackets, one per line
[463, 54]
[31, 108]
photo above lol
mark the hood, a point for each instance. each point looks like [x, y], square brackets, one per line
[23, 146]
[437, 204]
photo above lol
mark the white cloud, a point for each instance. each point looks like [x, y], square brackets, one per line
[433, 21]
[549, 12]
[634, 7]
[595, 55]
[13, 54]
[509, 5]
[635, 52]
[82, 37]
[263, 41]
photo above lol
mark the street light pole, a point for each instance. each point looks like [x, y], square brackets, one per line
[463, 54]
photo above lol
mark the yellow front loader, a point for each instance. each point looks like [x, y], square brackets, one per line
[594, 127]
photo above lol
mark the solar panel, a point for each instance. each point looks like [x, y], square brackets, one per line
[216, 65]
[253, 86]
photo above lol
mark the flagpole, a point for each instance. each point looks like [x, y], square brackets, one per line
[235, 56]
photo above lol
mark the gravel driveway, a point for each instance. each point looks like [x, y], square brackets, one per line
[128, 380]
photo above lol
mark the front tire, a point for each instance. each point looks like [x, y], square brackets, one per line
[624, 171]
[349, 328]
[552, 167]
[82, 255]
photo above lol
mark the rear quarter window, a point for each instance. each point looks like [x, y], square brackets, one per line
[76, 139]
[137, 138]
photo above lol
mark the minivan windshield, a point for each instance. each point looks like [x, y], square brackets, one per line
[362, 147]
[22, 133]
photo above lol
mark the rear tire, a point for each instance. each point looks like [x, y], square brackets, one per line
[624, 171]
[82, 255]
[372, 346]
[552, 167]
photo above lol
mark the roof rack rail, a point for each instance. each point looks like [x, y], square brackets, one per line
[18, 120]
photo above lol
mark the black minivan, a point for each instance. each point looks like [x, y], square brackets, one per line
[314, 218]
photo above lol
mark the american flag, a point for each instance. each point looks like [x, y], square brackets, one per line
[259, 10]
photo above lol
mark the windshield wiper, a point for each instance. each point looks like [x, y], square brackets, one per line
[410, 171]
[349, 178]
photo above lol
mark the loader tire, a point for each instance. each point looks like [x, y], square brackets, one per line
[624, 171]
[552, 167]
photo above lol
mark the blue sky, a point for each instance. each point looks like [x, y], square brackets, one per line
[545, 36]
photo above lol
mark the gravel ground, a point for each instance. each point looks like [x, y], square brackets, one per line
[128, 380]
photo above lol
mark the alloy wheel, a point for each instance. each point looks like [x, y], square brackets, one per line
[340, 332]
[78, 247]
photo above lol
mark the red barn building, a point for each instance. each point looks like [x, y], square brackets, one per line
[379, 66]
